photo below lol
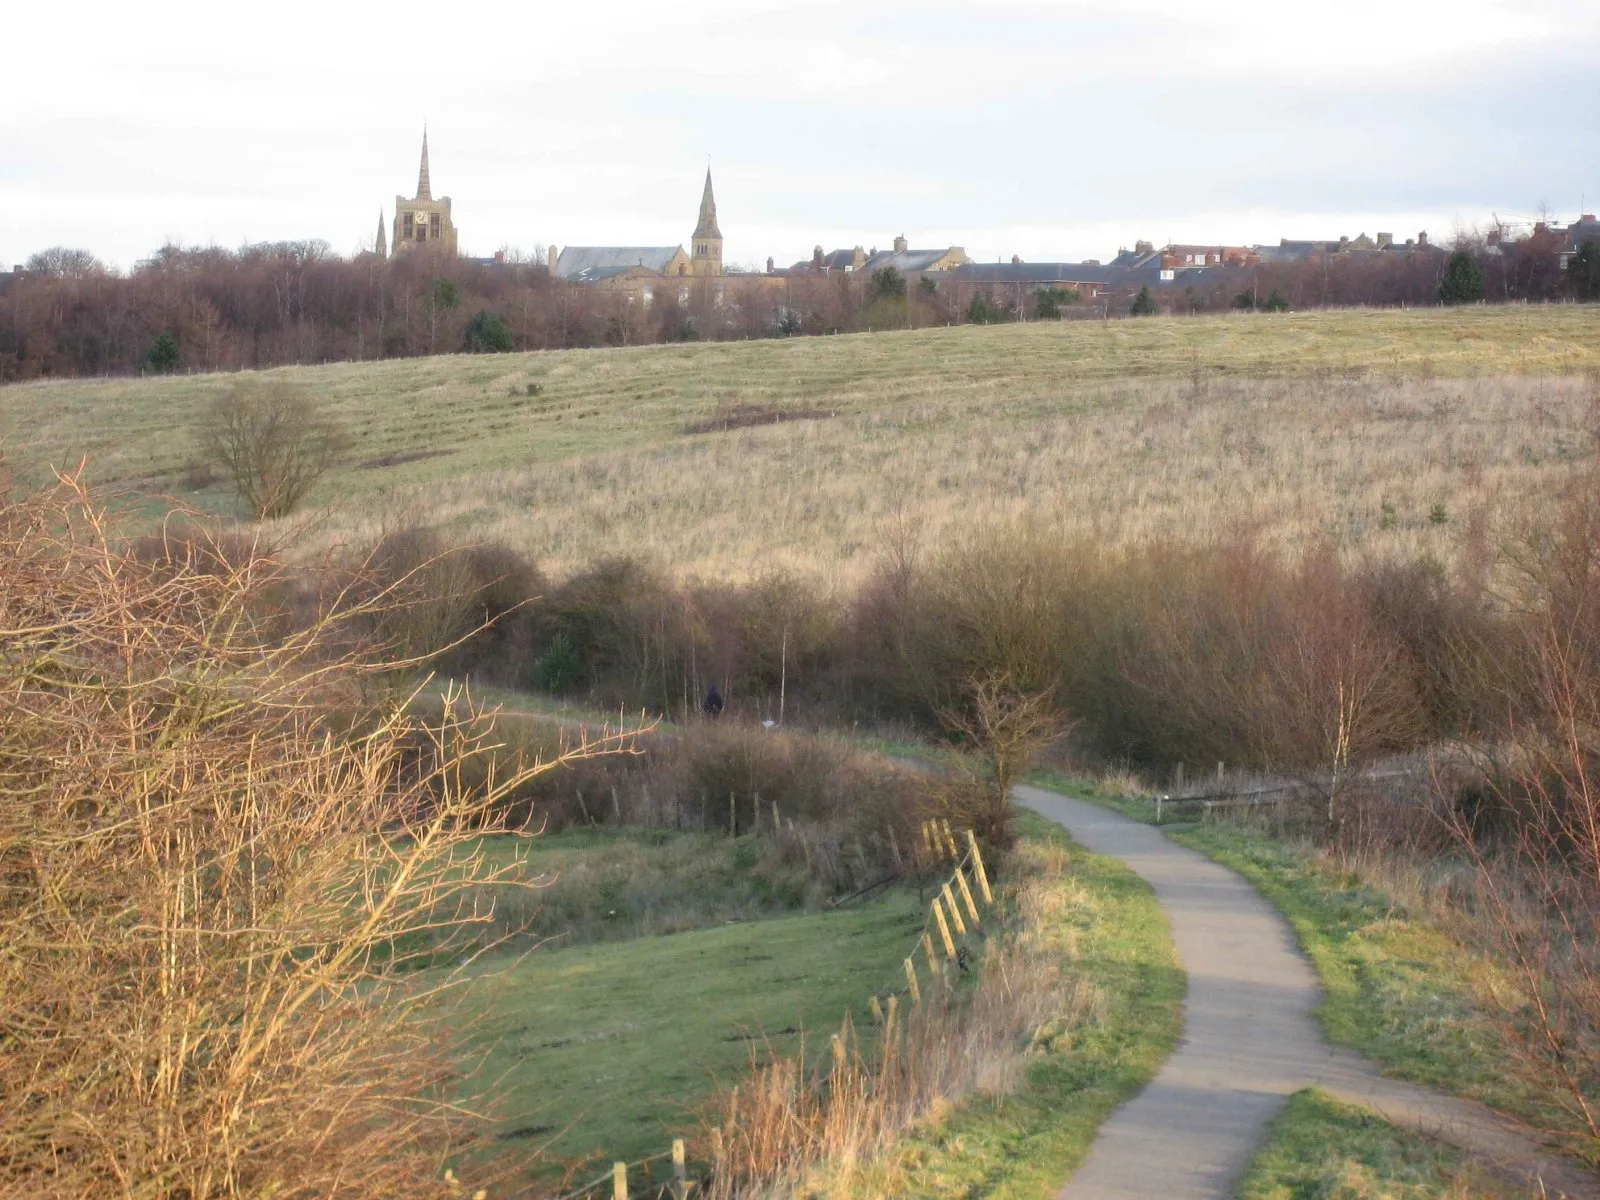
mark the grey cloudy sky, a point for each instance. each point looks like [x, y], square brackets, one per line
[1046, 128]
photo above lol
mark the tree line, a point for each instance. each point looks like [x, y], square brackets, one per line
[271, 304]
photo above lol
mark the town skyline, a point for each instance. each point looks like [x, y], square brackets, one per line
[1047, 130]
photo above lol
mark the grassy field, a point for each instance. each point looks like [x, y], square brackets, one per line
[1319, 1147]
[609, 1050]
[1354, 424]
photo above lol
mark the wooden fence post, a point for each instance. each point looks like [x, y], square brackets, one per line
[977, 861]
[944, 929]
[927, 947]
[777, 820]
[877, 1009]
[950, 841]
[1158, 807]
[619, 1181]
[955, 913]
[733, 816]
[680, 1170]
[966, 894]
[911, 983]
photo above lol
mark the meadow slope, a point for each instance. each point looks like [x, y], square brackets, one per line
[728, 459]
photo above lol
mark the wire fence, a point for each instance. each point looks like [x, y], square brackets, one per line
[953, 922]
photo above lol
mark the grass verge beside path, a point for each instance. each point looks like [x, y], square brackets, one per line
[1396, 987]
[1319, 1147]
[1025, 1145]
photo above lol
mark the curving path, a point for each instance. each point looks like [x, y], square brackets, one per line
[1250, 1041]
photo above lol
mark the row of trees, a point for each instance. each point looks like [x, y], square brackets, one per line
[264, 305]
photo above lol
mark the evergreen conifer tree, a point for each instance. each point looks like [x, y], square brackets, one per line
[1462, 282]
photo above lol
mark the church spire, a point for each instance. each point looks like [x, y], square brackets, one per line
[708, 214]
[424, 188]
[381, 246]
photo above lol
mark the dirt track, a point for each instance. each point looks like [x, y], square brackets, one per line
[1249, 1042]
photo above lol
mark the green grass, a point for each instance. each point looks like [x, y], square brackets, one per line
[1321, 1149]
[1396, 987]
[1027, 1144]
[609, 1050]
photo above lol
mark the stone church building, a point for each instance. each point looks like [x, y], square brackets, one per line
[629, 266]
[420, 220]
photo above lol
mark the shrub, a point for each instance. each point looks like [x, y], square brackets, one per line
[1144, 304]
[1275, 302]
[888, 284]
[162, 357]
[985, 310]
[212, 857]
[1583, 271]
[1463, 280]
[487, 333]
[1048, 302]
[464, 610]
[273, 443]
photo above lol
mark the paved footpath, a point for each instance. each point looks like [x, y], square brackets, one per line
[1249, 1042]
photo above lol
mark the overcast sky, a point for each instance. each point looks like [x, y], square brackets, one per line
[1053, 129]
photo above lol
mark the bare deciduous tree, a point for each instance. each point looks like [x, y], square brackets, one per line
[1009, 727]
[272, 442]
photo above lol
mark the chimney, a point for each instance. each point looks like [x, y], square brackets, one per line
[1422, 238]
[1143, 248]
[552, 256]
[499, 258]
[1539, 227]
[769, 264]
[900, 244]
[816, 259]
[1385, 240]
[1016, 260]
[1343, 241]
[1587, 217]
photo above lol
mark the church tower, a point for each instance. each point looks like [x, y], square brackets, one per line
[422, 219]
[706, 258]
[380, 246]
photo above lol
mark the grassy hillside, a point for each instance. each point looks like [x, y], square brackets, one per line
[1165, 427]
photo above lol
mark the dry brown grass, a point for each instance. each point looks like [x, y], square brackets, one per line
[214, 852]
[1119, 429]
[1363, 461]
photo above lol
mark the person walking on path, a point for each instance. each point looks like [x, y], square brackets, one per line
[713, 704]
